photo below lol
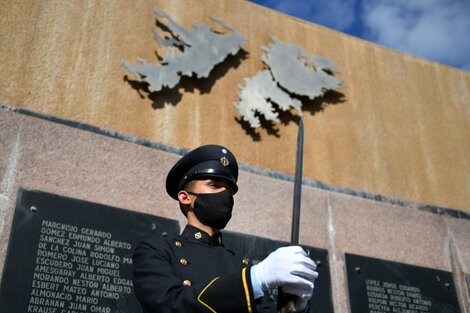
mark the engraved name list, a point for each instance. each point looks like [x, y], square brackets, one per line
[77, 268]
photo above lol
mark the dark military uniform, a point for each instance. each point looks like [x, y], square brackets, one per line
[193, 273]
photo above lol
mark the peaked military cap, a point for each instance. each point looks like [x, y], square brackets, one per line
[205, 161]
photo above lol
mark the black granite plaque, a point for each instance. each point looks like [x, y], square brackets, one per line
[69, 256]
[379, 286]
[257, 248]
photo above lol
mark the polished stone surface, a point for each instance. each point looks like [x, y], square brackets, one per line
[51, 157]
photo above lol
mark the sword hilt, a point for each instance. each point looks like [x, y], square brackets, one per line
[285, 302]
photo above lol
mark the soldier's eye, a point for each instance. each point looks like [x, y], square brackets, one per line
[215, 185]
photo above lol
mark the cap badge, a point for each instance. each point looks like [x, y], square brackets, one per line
[224, 161]
[198, 235]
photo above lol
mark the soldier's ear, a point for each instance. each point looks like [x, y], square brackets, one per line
[183, 197]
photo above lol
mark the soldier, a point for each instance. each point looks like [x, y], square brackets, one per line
[194, 272]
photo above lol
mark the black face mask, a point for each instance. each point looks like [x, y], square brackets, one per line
[214, 209]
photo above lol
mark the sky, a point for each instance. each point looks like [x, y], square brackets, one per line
[437, 30]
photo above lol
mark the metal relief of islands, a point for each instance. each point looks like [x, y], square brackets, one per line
[292, 77]
[189, 53]
[291, 73]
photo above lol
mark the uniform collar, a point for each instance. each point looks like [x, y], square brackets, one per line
[194, 234]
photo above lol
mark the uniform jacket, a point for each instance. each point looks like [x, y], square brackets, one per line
[193, 273]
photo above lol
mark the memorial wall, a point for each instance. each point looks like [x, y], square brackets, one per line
[398, 126]
[85, 147]
[76, 199]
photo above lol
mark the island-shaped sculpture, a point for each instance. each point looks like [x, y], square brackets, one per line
[291, 73]
[190, 52]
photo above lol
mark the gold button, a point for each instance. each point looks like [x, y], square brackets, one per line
[184, 262]
[245, 261]
[187, 283]
[198, 235]
[178, 244]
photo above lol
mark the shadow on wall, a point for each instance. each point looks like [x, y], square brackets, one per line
[317, 105]
[173, 95]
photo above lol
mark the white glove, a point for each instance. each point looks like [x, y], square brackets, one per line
[290, 268]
